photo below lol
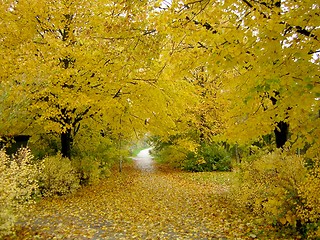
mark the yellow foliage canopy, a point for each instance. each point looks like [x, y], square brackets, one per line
[95, 63]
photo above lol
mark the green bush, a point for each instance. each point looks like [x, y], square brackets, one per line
[278, 189]
[58, 176]
[208, 158]
[43, 145]
[18, 178]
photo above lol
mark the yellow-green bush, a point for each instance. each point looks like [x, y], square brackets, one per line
[58, 176]
[18, 178]
[90, 170]
[172, 155]
[280, 190]
[308, 211]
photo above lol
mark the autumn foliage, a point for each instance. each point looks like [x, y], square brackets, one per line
[58, 177]
[279, 195]
[218, 85]
[19, 185]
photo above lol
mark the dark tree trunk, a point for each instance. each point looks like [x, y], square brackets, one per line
[281, 132]
[66, 141]
[282, 129]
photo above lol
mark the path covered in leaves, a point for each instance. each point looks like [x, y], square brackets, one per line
[143, 202]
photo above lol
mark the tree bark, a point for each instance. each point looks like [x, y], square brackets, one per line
[281, 132]
[282, 129]
[66, 141]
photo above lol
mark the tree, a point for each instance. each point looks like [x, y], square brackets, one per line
[281, 80]
[86, 63]
[265, 54]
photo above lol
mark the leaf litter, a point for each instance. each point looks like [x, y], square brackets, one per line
[136, 204]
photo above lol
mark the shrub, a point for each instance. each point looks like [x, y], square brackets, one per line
[280, 190]
[308, 210]
[170, 154]
[90, 170]
[18, 178]
[208, 158]
[43, 145]
[58, 176]
[93, 154]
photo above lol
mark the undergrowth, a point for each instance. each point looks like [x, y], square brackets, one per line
[279, 191]
[18, 188]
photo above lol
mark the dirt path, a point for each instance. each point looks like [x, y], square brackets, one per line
[143, 202]
[144, 161]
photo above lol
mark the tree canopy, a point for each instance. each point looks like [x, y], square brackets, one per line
[266, 56]
[85, 63]
[215, 85]
[233, 70]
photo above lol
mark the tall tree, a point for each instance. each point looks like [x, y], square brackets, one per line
[85, 63]
[266, 55]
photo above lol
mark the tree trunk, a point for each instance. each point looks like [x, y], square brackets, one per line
[237, 153]
[282, 129]
[66, 141]
[281, 133]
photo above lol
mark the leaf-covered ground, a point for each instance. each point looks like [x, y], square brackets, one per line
[140, 203]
